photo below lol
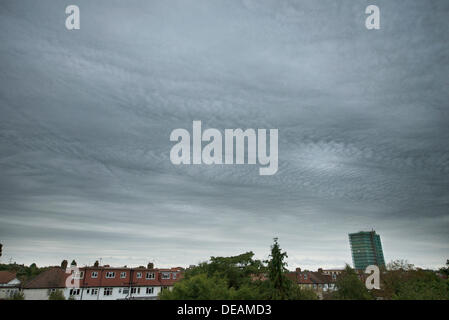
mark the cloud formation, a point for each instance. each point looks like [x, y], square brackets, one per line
[86, 119]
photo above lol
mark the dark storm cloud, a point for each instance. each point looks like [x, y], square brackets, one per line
[86, 118]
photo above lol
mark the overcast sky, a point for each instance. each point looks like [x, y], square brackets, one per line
[86, 116]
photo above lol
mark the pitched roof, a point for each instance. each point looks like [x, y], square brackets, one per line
[6, 276]
[308, 277]
[52, 278]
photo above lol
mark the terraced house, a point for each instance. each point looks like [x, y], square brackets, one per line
[320, 281]
[103, 283]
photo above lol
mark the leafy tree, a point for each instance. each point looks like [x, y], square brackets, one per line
[73, 263]
[198, 287]
[56, 295]
[237, 270]
[23, 273]
[402, 281]
[236, 278]
[350, 287]
[422, 285]
[445, 270]
[64, 264]
[396, 265]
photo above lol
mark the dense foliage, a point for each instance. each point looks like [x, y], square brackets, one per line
[350, 287]
[23, 272]
[238, 277]
[402, 281]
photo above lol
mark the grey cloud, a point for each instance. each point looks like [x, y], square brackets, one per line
[86, 119]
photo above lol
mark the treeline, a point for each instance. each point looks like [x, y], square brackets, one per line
[23, 272]
[239, 277]
[243, 277]
[398, 281]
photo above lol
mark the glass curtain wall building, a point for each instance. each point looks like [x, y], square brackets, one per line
[366, 249]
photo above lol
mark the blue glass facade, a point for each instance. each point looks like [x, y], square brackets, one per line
[366, 249]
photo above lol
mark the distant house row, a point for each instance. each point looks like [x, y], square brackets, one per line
[109, 283]
[94, 283]
[320, 281]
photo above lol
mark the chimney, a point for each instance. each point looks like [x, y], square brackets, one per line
[320, 270]
[64, 264]
[150, 265]
[298, 270]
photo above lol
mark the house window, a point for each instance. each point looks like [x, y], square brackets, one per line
[174, 275]
[139, 275]
[135, 290]
[122, 275]
[165, 275]
[150, 290]
[150, 275]
[305, 277]
[94, 274]
[125, 290]
[110, 274]
[108, 291]
[94, 291]
[74, 292]
[52, 290]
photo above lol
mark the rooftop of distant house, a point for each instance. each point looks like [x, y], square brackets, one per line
[6, 276]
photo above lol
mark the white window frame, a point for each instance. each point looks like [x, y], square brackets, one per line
[150, 290]
[110, 275]
[139, 275]
[94, 275]
[165, 275]
[123, 275]
[150, 276]
[74, 292]
[109, 291]
[135, 290]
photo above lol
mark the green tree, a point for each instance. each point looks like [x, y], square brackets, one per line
[23, 273]
[350, 287]
[422, 285]
[56, 295]
[198, 287]
[238, 277]
[445, 270]
[237, 270]
[277, 272]
[397, 265]
[402, 281]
